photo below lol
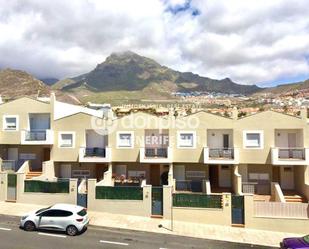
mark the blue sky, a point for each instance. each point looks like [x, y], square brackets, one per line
[251, 42]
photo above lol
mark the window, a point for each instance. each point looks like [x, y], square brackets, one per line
[125, 140]
[195, 174]
[56, 213]
[80, 173]
[121, 170]
[186, 139]
[66, 140]
[10, 123]
[253, 139]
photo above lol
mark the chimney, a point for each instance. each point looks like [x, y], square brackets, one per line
[304, 113]
[235, 113]
[171, 112]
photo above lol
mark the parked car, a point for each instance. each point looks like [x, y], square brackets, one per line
[69, 218]
[295, 243]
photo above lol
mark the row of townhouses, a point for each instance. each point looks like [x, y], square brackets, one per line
[250, 172]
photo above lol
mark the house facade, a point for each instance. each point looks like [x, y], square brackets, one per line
[264, 157]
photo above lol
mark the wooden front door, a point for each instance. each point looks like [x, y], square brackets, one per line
[213, 175]
[276, 174]
[155, 175]
[46, 154]
[100, 169]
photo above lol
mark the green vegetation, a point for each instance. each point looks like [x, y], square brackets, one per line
[47, 187]
[197, 200]
[119, 193]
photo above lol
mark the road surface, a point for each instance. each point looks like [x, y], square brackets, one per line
[12, 237]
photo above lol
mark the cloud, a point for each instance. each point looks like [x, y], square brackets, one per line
[247, 41]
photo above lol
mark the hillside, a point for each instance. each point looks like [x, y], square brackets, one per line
[17, 83]
[286, 88]
[132, 74]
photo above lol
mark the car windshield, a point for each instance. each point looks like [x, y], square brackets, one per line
[82, 212]
[41, 210]
[306, 238]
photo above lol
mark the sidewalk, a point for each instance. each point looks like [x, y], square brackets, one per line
[213, 232]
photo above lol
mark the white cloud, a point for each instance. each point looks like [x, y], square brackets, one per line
[247, 41]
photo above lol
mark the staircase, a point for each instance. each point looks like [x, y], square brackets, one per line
[294, 197]
[32, 174]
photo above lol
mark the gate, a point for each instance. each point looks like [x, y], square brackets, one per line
[82, 192]
[82, 200]
[238, 207]
[11, 187]
[157, 201]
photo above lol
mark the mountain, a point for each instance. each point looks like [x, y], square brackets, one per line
[49, 81]
[130, 73]
[17, 83]
[287, 88]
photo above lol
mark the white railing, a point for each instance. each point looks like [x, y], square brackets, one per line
[249, 187]
[290, 156]
[159, 155]
[37, 137]
[95, 155]
[221, 155]
[282, 210]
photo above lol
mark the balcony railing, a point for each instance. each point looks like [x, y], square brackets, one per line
[37, 137]
[94, 154]
[152, 155]
[156, 152]
[224, 153]
[292, 153]
[290, 156]
[221, 155]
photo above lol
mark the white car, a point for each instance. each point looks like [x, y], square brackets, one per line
[60, 217]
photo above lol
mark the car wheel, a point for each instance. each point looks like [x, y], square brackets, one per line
[29, 226]
[71, 230]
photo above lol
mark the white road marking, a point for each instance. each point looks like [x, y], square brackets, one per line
[113, 242]
[5, 229]
[52, 235]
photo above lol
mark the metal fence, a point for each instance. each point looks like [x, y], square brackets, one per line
[156, 152]
[61, 186]
[189, 185]
[8, 165]
[36, 135]
[98, 152]
[227, 153]
[197, 200]
[292, 153]
[119, 193]
[281, 209]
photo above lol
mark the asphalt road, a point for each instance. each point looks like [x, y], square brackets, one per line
[12, 237]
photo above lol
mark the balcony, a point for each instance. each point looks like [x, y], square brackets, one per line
[221, 155]
[156, 155]
[290, 156]
[37, 137]
[95, 155]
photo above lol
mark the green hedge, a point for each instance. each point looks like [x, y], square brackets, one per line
[47, 187]
[197, 200]
[119, 193]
